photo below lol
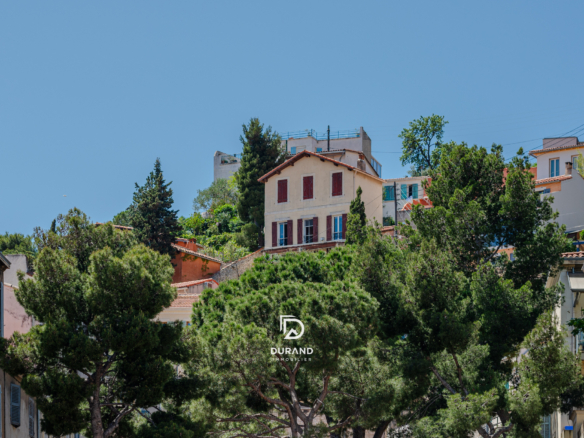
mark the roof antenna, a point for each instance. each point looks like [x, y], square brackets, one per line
[328, 138]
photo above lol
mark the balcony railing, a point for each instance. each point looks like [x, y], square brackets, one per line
[352, 133]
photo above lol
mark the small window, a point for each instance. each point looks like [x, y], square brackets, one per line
[293, 150]
[338, 228]
[308, 187]
[546, 429]
[282, 191]
[308, 230]
[337, 183]
[15, 405]
[413, 191]
[283, 234]
[554, 167]
[388, 193]
[318, 150]
[575, 162]
[546, 191]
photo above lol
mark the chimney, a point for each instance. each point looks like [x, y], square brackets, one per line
[568, 168]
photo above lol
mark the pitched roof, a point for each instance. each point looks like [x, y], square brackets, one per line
[298, 156]
[117, 227]
[573, 255]
[4, 261]
[194, 253]
[552, 179]
[556, 148]
[185, 300]
[194, 282]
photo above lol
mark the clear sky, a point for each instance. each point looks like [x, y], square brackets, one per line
[92, 92]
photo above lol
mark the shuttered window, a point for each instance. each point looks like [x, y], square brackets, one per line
[15, 405]
[283, 234]
[337, 184]
[31, 417]
[413, 191]
[308, 230]
[307, 187]
[282, 190]
[555, 167]
[388, 193]
[404, 191]
[338, 227]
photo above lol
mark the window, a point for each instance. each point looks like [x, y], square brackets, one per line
[337, 183]
[554, 167]
[293, 150]
[15, 405]
[546, 191]
[308, 231]
[30, 417]
[546, 427]
[575, 162]
[388, 193]
[283, 234]
[404, 191]
[206, 285]
[413, 191]
[282, 191]
[318, 150]
[338, 228]
[307, 187]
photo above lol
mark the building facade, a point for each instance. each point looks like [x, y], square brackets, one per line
[403, 191]
[190, 264]
[225, 165]
[307, 200]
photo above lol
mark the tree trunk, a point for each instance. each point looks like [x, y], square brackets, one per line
[358, 432]
[381, 429]
[96, 422]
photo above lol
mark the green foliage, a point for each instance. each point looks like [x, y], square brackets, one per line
[96, 291]
[220, 192]
[357, 220]
[236, 326]
[262, 152]
[388, 221]
[124, 218]
[19, 244]
[155, 224]
[422, 143]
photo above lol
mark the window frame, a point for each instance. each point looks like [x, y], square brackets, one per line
[305, 229]
[333, 172]
[283, 226]
[278, 191]
[337, 219]
[312, 175]
[551, 167]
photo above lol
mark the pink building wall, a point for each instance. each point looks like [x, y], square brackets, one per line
[15, 318]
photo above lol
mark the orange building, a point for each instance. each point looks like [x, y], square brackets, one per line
[189, 264]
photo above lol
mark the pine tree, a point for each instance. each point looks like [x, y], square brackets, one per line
[98, 355]
[262, 152]
[155, 224]
[357, 220]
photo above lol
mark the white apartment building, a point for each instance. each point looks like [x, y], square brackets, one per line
[405, 192]
[225, 165]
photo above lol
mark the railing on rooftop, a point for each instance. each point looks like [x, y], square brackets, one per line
[352, 133]
[230, 158]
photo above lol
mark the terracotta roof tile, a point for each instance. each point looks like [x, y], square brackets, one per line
[193, 283]
[194, 253]
[186, 300]
[553, 179]
[556, 148]
[573, 255]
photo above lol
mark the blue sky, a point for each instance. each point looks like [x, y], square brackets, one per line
[92, 92]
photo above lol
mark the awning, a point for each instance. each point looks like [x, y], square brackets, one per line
[576, 280]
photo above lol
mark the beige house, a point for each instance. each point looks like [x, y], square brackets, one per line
[307, 199]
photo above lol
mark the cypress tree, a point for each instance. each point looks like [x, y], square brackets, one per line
[262, 152]
[155, 223]
[357, 220]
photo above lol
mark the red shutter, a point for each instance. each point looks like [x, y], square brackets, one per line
[329, 228]
[274, 234]
[283, 190]
[337, 184]
[344, 225]
[315, 229]
[290, 233]
[299, 229]
[307, 187]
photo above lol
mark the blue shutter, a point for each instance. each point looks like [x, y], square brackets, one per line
[404, 191]
[415, 191]
[15, 405]
[385, 193]
[392, 193]
[293, 150]
[557, 167]
[318, 149]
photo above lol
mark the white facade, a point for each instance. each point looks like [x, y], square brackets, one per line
[555, 153]
[225, 165]
[407, 187]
